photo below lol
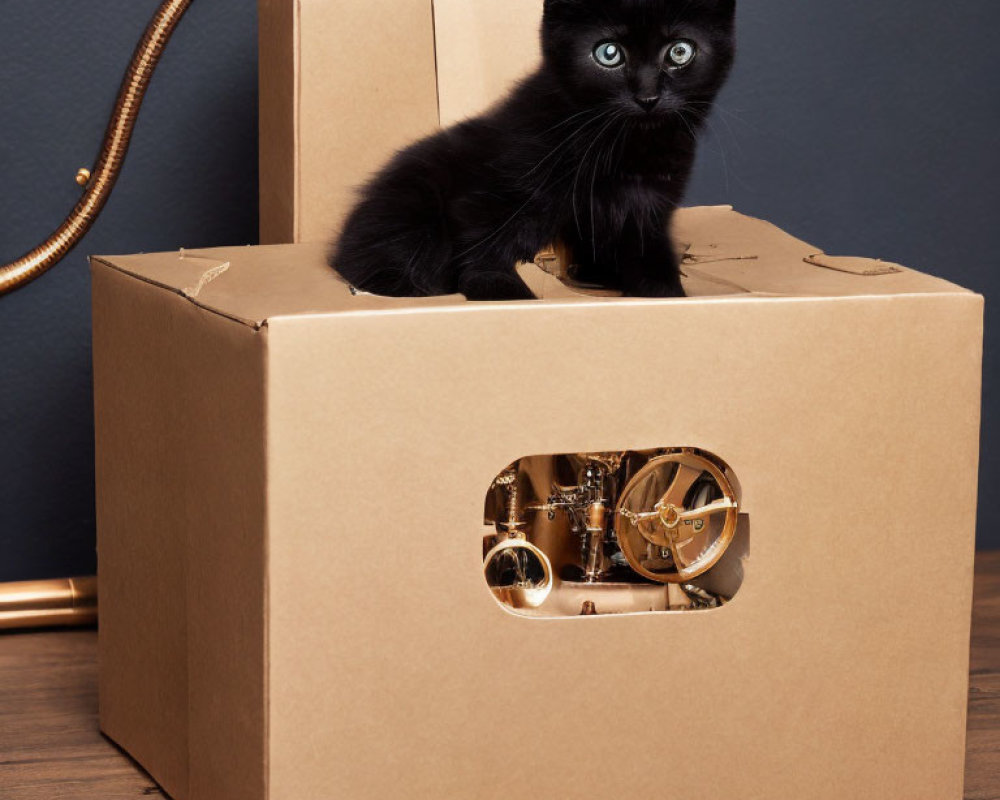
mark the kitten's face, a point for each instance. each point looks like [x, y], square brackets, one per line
[646, 59]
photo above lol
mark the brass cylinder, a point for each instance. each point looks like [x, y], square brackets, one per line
[597, 513]
[48, 604]
[113, 151]
[596, 516]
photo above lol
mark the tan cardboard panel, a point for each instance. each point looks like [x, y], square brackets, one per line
[366, 88]
[181, 518]
[483, 49]
[853, 425]
[142, 555]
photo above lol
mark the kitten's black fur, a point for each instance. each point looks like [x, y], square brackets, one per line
[578, 153]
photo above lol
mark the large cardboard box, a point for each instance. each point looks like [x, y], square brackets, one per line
[291, 484]
[345, 83]
[290, 499]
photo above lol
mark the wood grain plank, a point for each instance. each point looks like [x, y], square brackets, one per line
[982, 764]
[50, 747]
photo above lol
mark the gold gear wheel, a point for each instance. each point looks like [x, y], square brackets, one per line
[669, 528]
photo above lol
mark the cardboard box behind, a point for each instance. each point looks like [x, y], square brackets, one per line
[291, 484]
[345, 83]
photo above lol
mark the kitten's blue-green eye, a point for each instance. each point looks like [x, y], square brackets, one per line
[609, 54]
[680, 53]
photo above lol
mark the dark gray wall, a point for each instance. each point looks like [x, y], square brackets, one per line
[865, 128]
[190, 180]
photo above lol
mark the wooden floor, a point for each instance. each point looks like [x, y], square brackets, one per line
[50, 748]
[982, 762]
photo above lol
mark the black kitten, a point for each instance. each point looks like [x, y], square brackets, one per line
[593, 150]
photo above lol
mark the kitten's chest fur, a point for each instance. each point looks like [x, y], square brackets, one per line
[599, 183]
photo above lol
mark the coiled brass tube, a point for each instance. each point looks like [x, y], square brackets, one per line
[113, 151]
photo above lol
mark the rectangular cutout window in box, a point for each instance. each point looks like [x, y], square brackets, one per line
[627, 532]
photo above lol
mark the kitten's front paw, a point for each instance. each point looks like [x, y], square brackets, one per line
[484, 286]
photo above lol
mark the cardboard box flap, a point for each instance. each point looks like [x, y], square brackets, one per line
[254, 284]
[854, 266]
[725, 254]
[730, 249]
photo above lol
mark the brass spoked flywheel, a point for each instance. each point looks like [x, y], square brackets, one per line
[676, 517]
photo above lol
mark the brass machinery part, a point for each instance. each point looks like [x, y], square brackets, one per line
[665, 526]
[514, 541]
[597, 515]
[98, 186]
[555, 259]
[588, 504]
[48, 604]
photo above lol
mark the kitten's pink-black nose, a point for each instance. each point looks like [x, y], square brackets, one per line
[647, 104]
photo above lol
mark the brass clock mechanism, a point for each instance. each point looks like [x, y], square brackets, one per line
[618, 532]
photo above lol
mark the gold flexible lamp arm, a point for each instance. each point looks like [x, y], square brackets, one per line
[113, 151]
